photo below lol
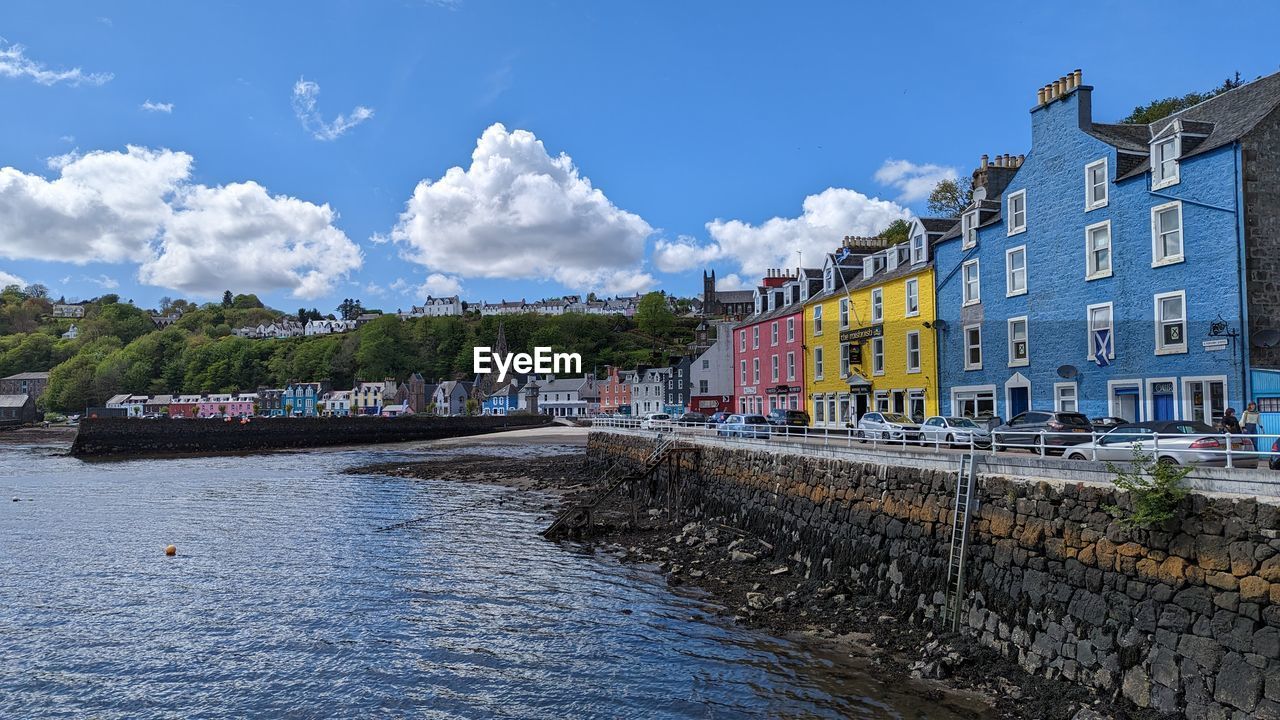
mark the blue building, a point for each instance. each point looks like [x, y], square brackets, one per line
[1106, 272]
[299, 398]
[504, 401]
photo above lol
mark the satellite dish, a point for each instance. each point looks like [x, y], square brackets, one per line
[940, 325]
[1266, 338]
[1067, 372]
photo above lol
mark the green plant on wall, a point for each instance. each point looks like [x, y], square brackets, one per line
[1155, 486]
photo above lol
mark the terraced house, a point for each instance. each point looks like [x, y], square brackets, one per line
[769, 350]
[1124, 270]
[868, 332]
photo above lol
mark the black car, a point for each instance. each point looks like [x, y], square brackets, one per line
[1038, 431]
[787, 418]
[692, 419]
[717, 418]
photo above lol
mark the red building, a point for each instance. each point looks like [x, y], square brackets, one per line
[768, 350]
[615, 390]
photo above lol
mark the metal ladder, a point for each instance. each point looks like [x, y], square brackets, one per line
[959, 538]
[614, 478]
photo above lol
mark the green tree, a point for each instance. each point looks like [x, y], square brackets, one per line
[1159, 109]
[897, 232]
[383, 350]
[950, 197]
[227, 299]
[244, 302]
[654, 316]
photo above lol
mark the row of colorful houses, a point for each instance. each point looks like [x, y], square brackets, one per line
[1116, 270]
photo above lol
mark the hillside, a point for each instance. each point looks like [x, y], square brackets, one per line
[120, 350]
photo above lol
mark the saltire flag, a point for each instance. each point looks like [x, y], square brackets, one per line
[1102, 348]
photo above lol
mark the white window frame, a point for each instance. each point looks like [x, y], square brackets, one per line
[919, 248]
[742, 346]
[877, 305]
[755, 371]
[791, 329]
[913, 368]
[1089, 202]
[845, 368]
[1176, 349]
[773, 334]
[743, 367]
[877, 355]
[817, 319]
[1158, 179]
[969, 229]
[844, 313]
[1026, 331]
[911, 300]
[791, 365]
[1009, 290]
[776, 367]
[968, 364]
[817, 363]
[1013, 227]
[1111, 325]
[964, 282]
[1157, 246]
[1090, 271]
[755, 337]
[1057, 396]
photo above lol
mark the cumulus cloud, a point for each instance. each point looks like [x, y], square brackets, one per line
[519, 213]
[826, 218]
[305, 93]
[438, 284]
[733, 281]
[7, 279]
[14, 63]
[104, 281]
[913, 182]
[157, 107]
[140, 206]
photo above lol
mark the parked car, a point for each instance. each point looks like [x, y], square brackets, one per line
[1041, 430]
[656, 421]
[744, 426]
[1275, 455]
[954, 431]
[1179, 442]
[1103, 424]
[692, 419]
[988, 422]
[787, 419]
[718, 418]
[887, 426]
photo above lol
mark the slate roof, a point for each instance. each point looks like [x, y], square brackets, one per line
[14, 400]
[28, 376]
[735, 296]
[938, 225]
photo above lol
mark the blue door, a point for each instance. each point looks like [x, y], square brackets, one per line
[1019, 402]
[1162, 405]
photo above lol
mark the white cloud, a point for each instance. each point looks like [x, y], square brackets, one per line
[375, 289]
[733, 281]
[826, 219]
[104, 281]
[7, 279]
[913, 182]
[519, 213]
[439, 284]
[14, 63]
[305, 93]
[157, 107]
[141, 206]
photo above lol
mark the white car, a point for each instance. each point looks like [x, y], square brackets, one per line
[656, 421]
[940, 429]
[887, 426]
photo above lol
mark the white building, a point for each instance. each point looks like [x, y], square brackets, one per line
[648, 390]
[132, 404]
[569, 397]
[712, 372]
[327, 327]
[72, 333]
[337, 403]
[436, 307]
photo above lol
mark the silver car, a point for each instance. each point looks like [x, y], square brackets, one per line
[944, 430]
[1180, 442]
[887, 426]
[753, 426]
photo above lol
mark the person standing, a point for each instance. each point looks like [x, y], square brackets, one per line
[1251, 419]
[1230, 423]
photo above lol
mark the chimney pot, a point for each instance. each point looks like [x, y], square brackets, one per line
[984, 161]
[1057, 88]
[1079, 77]
[1040, 96]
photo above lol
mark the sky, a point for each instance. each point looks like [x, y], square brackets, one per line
[387, 150]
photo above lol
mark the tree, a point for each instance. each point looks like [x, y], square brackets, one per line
[350, 309]
[36, 290]
[653, 315]
[897, 232]
[244, 302]
[227, 299]
[950, 197]
[1158, 109]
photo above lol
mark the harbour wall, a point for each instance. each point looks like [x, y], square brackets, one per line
[1184, 617]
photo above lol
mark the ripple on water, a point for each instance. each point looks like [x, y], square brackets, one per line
[285, 601]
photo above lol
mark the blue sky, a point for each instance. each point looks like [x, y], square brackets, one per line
[304, 151]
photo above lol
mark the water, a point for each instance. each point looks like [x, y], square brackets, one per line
[285, 600]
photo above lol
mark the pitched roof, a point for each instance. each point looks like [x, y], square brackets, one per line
[28, 376]
[938, 225]
[735, 296]
[14, 400]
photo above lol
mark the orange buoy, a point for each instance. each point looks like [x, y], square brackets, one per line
[171, 550]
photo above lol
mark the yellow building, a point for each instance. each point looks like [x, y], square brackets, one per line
[869, 334]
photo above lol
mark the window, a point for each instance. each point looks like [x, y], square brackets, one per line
[791, 329]
[706, 364]
[1015, 271]
[1017, 221]
[844, 360]
[877, 355]
[1101, 332]
[969, 229]
[817, 319]
[1018, 351]
[1097, 250]
[973, 347]
[742, 344]
[773, 333]
[918, 251]
[791, 366]
[819, 408]
[877, 305]
[817, 363]
[775, 368]
[1164, 163]
[755, 371]
[1095, 185]
[1064, 397]
[911, 297]
[844, 313]
[972, 283]
[829, 280]
[755, 337]
[913, 352]
[1166, 234]
[1171, 323]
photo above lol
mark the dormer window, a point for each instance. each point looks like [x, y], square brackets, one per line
[903, 253]
[829, 279]
[918, 252]
[868, 266]
[891, 259]
[1164, 162]
[969, 228]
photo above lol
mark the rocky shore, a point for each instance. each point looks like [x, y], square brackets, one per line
[757, 586]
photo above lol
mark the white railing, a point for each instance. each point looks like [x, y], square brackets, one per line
[1223, 461]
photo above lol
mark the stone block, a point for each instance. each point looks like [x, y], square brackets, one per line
[1238, 684]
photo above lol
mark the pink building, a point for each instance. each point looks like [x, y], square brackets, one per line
[234, 405]
[768, 348]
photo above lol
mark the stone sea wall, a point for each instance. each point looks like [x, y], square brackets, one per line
[99, 437]
[1186, 617]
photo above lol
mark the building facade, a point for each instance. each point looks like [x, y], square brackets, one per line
[648, 391]
[769, 347]
[711, 374]
[27, 383]
[615, 389]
